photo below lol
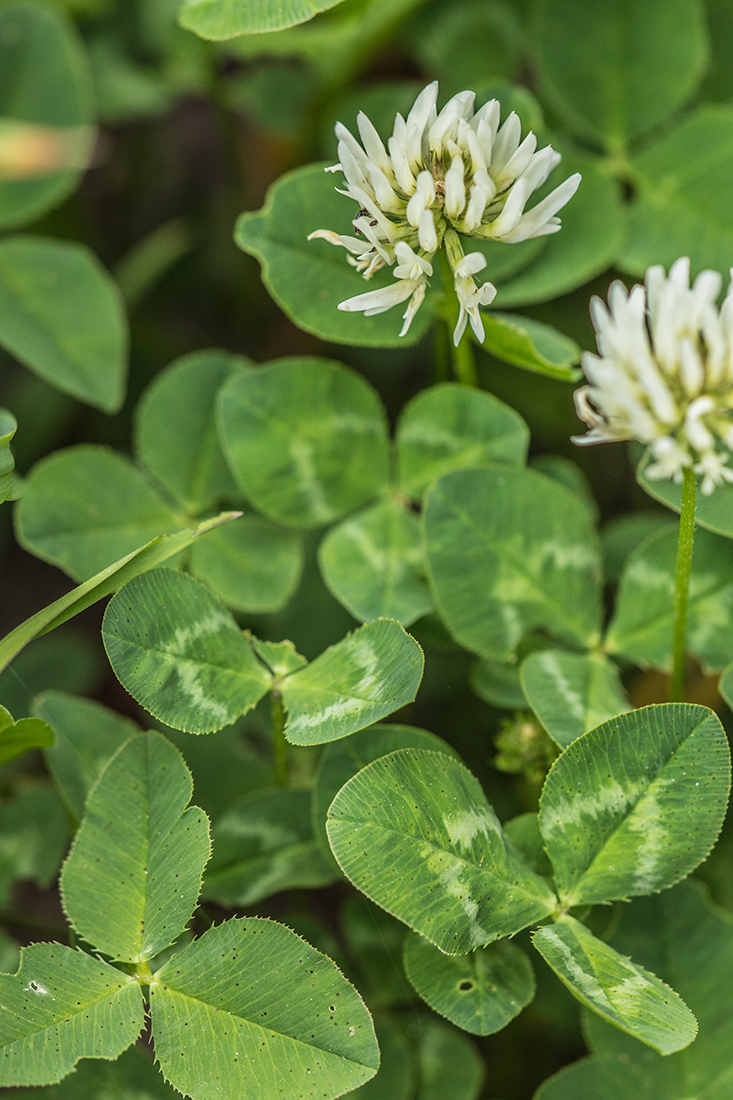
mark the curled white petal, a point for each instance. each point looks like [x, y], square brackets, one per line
[455, 189]
[425, 186]
[504, 226]
[470, 297]
[475, 210]
[415, 209]
[352, 243]
[714, 470]
[426, 234]
[383, 190]
[517, 164]
[506, 142]
[540, 166]
[373, 144]
[411, 264]
[412, 307]
[379, 301]
[536, 220]
[423, 112]
[470, 264]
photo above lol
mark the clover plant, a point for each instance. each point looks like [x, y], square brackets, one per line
[447, 677]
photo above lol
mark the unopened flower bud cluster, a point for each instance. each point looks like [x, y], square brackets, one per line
[457, 171]
[664, 373]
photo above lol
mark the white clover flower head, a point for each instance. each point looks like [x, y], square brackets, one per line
[441, 174]
[664, 373]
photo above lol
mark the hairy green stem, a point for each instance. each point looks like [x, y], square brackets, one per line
[277, 711]
[682, 586]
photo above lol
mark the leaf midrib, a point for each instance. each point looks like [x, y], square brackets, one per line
[198, 663]
[446, 851]
[78, 1010]
[167, 986]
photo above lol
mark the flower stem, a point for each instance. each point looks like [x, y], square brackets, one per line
[443, 357]
[464, 366]
[277, 710]
[682, 586]
[463, 362]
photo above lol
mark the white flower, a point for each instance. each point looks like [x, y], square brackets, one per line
[470, 297]
[664, 373]
[457, 170]
[411, 273]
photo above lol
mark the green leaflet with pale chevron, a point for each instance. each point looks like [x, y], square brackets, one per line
[509, 550]
[414, 832]
[180, 653]
[365, 677]
[306, 440]
[571, 693]
[623, 993]
[634, 805]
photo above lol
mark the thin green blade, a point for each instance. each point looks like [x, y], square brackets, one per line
[103, 584]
